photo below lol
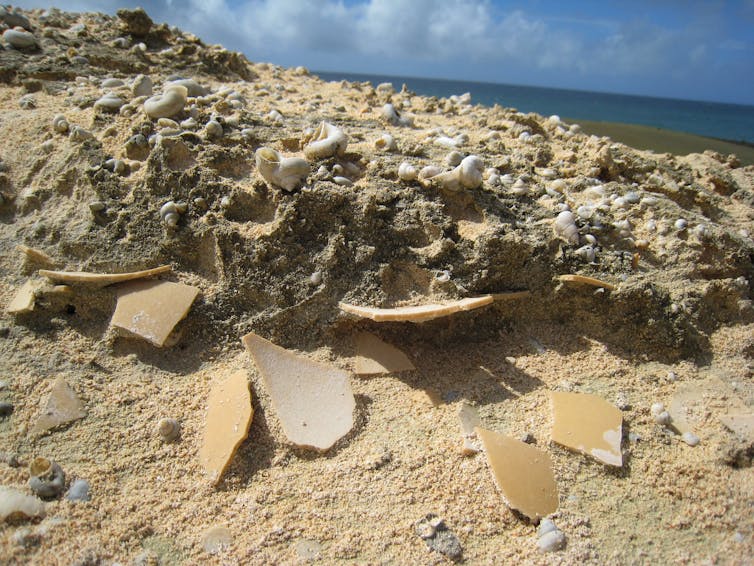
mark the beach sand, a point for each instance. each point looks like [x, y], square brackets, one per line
[672, 321]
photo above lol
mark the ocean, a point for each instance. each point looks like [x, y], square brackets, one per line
[733, 122]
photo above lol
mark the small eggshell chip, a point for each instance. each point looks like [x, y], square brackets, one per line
[374, 356]
[314, 401]
[589, 424]
[63, 406]
[151, 309]
[23, 300]
[228, 418]
[522, 472]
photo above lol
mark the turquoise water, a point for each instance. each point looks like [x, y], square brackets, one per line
[724, 121]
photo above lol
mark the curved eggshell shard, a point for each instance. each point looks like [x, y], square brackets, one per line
[419, 313]
[151, 309]
[229, 416]
[522, 472]
[374, 356]
[572, 278]
[589, 424]
[314, 401]
[102, 279]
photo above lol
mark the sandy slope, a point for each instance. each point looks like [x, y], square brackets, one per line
[682, 304]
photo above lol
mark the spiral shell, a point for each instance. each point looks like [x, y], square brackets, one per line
[565, 227]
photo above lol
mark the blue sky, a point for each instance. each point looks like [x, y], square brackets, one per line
[695, 49]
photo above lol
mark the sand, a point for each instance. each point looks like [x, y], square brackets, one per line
[278, 263]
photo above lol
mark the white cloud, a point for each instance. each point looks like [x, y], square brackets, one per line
[471, 39]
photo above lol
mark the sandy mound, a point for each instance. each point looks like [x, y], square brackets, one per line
[92, 190]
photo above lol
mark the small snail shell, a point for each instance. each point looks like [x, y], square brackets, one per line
[168, 429]
[565, 227]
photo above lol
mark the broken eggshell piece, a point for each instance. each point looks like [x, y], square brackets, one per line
[151, 309]
[589, 424]
[314, 401]
[522, 472]
[63, 406]
[419, 313]
[229, 415]
[374, 356]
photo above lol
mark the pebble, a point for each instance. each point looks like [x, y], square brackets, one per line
[47, 479]
[315, 278]
[662, 418]
[438, 537]
[681, 224]
[168, 429]
[551, 541]
[6, 408]
[546, 526]
[690, 438]
[79, 491]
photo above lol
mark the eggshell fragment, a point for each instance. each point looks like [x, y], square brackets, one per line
[314, 401]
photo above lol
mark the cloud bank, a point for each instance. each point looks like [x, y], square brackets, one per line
[473, 40]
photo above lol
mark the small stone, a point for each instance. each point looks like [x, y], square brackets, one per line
[79, 491]
[551, 541]
[546, 526]
[315, 278]
[6, 408]
[690, 438]
[438, 537]
[169, 429]
[621, 401]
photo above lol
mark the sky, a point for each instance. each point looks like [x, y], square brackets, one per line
[691, 49]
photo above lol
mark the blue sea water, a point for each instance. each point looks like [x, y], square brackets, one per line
[724, 121]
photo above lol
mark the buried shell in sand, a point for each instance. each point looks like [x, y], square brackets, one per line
[288, 173]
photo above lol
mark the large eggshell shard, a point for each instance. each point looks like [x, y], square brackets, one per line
[374, 356]
[151, 309]
[14, 503]
[313, 401]
[589, 424]
[63, 406]
[418, 313]
[522, 472]
[229, 416]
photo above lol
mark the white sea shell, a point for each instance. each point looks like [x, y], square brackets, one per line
[167, 104]
[193, 88]
[60, 124]
[407, 172]
[19, 38]
[110, 102]
[468, 175]
[327, 140]
[565, 227]
[391, 116]
[385, 142]
[142, 86]
[285, 172]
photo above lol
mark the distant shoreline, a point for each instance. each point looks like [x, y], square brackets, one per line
[665, 141]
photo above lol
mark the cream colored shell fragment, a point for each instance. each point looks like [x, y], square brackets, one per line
[151, 309]
[522, 472]
[229, 415]
[14, 504]
[313, 401]
[63, 406]
[102, 279]
[374, 356]
[288, 173]
[23, 300]
[325, 141]
[589, 424]
[467, 175]
[419, 313]
[167, 104]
